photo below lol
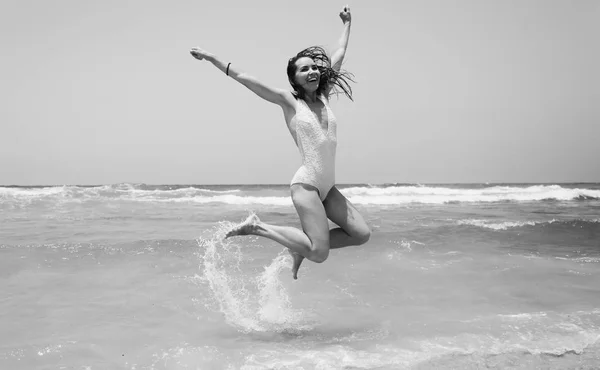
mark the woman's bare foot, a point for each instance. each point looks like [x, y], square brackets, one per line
[250, 226]
[296, 264]
[245, 228]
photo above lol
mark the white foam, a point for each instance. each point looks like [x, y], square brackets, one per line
[501, 225]
[188, 192]
[535, 342]
[442, 350]
[392, 195]
[535, 333]
[332, 357]
[190, 357]
[581, 259]
[126, 191]
[439, 195]
[240, 200]
[405, 244]
[505, 225]
[532, 332]
[26, 193]
[524, 316]
[55, 348]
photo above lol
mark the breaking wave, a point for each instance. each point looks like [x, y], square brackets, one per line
[279, 195]
[505, 225]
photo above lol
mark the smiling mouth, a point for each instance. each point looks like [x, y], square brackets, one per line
[312, 79]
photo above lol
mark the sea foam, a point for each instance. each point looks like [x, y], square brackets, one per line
[505, 225]
[366, 195]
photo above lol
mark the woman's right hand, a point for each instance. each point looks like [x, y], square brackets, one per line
[200, 54]
[345, 14]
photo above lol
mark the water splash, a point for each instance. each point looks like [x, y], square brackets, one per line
[248, 303]
[275, 305]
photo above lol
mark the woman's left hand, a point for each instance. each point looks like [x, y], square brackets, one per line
[345, 14]
[200, 54]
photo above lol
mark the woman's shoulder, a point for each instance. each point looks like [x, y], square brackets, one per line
[289, 97]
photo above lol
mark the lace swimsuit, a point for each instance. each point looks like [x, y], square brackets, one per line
[317, 147]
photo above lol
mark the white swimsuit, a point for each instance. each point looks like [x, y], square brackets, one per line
[317, 147]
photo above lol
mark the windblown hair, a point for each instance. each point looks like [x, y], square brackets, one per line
[338, 80]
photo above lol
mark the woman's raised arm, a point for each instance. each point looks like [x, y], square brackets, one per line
[338, 56]
[280, 97]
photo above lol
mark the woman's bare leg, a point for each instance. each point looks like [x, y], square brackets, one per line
[290, 237]
[353, 229]
[312, 243]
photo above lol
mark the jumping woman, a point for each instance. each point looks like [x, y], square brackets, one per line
[314, 77]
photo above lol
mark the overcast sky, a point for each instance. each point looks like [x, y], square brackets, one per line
[99, 92]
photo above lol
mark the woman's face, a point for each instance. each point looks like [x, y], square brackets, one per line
[307, 74]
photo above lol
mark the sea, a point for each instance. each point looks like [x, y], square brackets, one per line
[455, 276]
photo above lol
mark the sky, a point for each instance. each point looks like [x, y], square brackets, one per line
[103, 92]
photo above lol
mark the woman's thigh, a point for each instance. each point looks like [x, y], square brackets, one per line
[312, 214]
[339, 210]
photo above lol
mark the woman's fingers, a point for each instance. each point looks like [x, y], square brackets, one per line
[345, 14]
[196, 53]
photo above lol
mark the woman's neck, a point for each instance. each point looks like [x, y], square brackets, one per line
[311, 97]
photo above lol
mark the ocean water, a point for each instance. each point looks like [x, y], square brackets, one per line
[133, 276]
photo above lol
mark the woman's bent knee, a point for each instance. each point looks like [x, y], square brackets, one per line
[319, 253]
[364, 236]
[319, 256]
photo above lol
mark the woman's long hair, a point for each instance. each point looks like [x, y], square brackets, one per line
[338, 80]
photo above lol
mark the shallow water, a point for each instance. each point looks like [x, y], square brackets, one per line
[454, 277]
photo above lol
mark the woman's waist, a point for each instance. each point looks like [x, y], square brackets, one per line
[315, 174]
[324, 152]
[319, 167]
